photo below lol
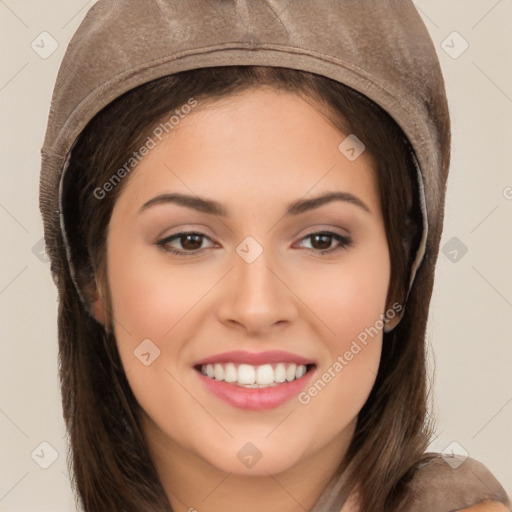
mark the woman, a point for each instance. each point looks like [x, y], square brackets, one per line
[243, 207]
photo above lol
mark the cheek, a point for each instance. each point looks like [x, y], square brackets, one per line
[152, 301]
[148, 297]
[350, 302]
[351, 297]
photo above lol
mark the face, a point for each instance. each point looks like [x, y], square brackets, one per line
[230, 277]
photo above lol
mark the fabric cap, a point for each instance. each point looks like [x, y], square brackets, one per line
[380, 48]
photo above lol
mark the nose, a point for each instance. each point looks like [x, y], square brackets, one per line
[257, 297]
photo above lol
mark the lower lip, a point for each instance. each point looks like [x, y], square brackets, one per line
[256, 399]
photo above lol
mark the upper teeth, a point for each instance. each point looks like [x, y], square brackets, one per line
[254, 376]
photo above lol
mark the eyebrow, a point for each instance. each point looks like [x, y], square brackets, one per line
[214, 208]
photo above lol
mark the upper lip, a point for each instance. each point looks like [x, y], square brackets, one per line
[255, 358]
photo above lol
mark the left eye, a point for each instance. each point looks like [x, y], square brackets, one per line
[192, 242]
[321, 241]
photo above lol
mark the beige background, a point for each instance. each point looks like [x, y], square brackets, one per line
[471, 317]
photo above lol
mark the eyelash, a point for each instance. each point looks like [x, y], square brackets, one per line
[344, 242]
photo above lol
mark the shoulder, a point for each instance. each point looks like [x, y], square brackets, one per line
[442, 483]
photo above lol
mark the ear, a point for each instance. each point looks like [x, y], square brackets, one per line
[98, 310]
[392, 322]
[393, 315]
[97, 304]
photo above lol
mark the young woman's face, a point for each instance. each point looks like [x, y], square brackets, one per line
[271, 280]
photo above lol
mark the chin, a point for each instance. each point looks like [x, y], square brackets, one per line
[253, 458]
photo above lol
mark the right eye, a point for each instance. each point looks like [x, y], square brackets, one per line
[190, 241]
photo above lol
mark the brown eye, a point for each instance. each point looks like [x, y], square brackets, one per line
[185, 243]
[322, 242]
[191, 242]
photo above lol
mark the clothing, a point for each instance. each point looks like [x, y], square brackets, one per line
[381, 49]
[438, 485]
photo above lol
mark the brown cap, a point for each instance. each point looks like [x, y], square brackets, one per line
[379, 48]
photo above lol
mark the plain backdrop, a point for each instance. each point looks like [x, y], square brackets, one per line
[470, 324]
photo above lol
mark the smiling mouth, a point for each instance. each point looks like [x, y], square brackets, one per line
[255, 376]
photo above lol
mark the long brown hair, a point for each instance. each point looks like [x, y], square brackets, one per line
[109, 459]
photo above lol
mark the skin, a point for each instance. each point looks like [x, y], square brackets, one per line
[244, 153]
[488, 506]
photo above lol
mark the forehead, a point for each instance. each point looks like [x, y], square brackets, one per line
[261, 142]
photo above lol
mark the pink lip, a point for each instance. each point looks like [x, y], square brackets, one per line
[255, 358]
[256, 399]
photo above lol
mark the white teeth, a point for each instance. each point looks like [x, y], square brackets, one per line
[219, 372]
[230, 373]
[290, 372]
[265, 374]
[246, 374]
[280, 373]
[250, 376]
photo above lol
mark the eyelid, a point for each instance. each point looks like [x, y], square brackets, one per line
[326, 229]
